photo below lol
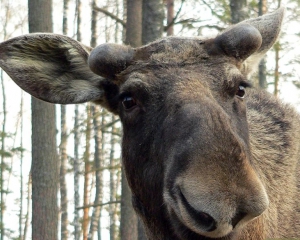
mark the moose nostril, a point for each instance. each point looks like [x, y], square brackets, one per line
[203, 219]
[206, 221]
[237, 218]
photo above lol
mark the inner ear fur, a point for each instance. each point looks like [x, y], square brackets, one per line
[51, 67]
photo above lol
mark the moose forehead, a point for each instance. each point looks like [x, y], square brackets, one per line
[182, 60]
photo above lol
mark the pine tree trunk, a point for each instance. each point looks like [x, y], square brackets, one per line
[76, 175]
[153, 17]
[87, 170]
[63, 153]
[262, 69]
[170, 16]
[238, 10]
[113, 184]
[98, 163]
[276, 71]
[63, 172]
[44, 168]
[76, 144]
[21, 170]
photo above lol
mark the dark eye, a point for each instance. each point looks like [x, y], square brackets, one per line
[128, 102]
[240, 92]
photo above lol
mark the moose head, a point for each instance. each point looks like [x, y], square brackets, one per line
[183, 103]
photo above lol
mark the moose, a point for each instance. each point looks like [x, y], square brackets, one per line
[206, 155]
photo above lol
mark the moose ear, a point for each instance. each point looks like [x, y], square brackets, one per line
[249, 40]
[51, 67]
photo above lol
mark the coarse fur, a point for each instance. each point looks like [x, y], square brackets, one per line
[206, 156]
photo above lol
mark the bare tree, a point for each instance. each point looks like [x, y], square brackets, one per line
[153, 17]
[63, 152]
[44, 168]
[238, 10]
[76, 163]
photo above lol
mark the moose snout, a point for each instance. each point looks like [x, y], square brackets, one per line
[215, 212]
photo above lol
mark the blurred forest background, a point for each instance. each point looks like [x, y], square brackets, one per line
[68, 183]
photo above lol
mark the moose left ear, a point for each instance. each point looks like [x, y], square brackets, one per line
[249, 40]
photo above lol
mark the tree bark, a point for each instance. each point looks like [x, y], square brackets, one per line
[98, 163]
[76, 170]
[170, 17]
[76, 144]
[63, 152]
[44, 168]
[276, 71]
[87, 170]
[153, 17]
[262, 69]
[238, 10]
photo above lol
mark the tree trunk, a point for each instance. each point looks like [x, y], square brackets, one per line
[98, 164]
[44, 168]
[76, 175]
[76, 144]
[238, 10]
[63, 151]
[21, 169]
[87, 170]
[262, 69]
[63, 172]
[153, 17]
[134, 23]
[170, 17]
[276, 71]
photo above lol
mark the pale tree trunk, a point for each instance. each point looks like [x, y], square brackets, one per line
[153, 17]
[98, 164]
[134, 38]
[63, 153]
[276, 71]
[63, 172]
[87, 170]
[277, 48]
[76, 165]
[44, 168]
[21, 170]
[238, 10]
[76, 145]
[2, 155]
[262, 70]
[28, 207]
[113, 184]
[2, 165]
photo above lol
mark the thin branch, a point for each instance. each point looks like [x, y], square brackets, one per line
[98, 205]
[212, 10]
[175, 18]
[102, 10]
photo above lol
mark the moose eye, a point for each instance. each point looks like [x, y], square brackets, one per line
[128, 102]
[240, 92]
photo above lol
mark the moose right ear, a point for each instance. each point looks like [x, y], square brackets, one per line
[52, 68]
[248, 41]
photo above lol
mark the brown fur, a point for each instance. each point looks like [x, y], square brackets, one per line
[202, 161]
